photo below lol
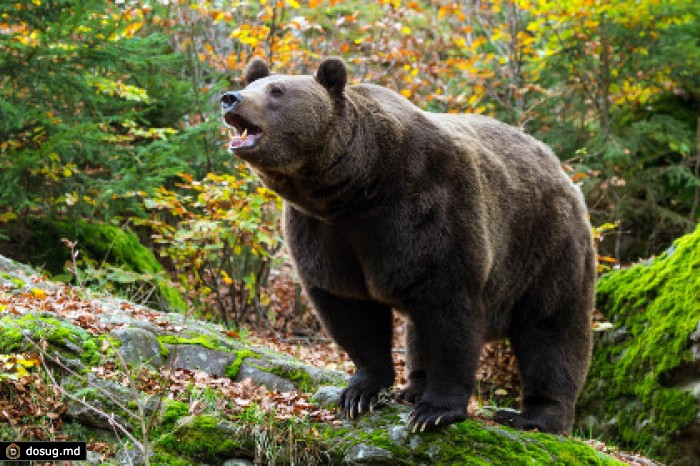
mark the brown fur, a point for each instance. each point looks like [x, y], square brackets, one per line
[465, 225]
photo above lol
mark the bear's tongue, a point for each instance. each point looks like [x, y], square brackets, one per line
[240, 141]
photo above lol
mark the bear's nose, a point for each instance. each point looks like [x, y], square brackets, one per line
[231, 99]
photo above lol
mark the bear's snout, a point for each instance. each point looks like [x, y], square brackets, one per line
[229, 100]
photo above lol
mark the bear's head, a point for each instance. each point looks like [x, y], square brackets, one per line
[282, 122]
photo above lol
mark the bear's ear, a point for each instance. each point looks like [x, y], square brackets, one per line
[256, 69]
[332, 74]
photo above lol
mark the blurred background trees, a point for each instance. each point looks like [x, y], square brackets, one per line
[109, 116]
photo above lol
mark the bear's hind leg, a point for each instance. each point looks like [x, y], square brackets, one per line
[364, 330]
[553, 356]
[449, 336]
[415, 368]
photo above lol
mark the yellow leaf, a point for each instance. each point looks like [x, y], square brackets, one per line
[293, 3]
[264, 299]
[39, 293]
[21, 371]
[534, 26]
[406, 93]
[478, 42]
[7, 216]
[406, 30]
[31, 362]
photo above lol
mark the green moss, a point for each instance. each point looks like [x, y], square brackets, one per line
[301, 378]
[201, 340]
[163, 350]
[16, 281]
[60, 335]
[654, 308]
[206, 341]
[201, 439]
[233, 368]
[172, 411]
[468, 442]
[162, 458]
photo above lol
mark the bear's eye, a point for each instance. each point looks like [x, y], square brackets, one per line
[276, 91]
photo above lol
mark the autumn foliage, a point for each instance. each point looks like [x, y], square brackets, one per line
[108, 112]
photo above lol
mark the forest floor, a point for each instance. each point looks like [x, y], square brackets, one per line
[34, 409]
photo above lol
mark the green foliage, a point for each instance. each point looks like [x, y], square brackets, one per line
[654, 309]
[220, 233]
[107, 258]
[621, 97]
[78, 98]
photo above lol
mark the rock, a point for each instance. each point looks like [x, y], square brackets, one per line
[367, 454]
[643, 390]
[8, 266]
[99, 402]
[238, 462]
[283, 373]
[398, 434]
[129, 456]
[72, 345]
[327, 396]
[20, 278]
[196, 357]
[93, 457]
[207, 438]
[255, 369]
[138, 346]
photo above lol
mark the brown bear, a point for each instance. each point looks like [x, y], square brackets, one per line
[465, 225]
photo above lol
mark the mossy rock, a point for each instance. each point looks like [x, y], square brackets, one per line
[102, 244]
[75, 347]
[639, 390]
[205, 438]
[378, 438]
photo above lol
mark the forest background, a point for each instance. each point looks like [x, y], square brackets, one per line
[110, 133]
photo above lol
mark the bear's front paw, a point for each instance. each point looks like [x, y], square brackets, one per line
[429, 416]
[364, 394]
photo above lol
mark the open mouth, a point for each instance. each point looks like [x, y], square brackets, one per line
[246, 134]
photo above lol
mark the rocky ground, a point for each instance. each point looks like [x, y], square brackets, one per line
[129, 379]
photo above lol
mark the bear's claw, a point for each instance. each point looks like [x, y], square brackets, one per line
[428, 417]
[356, 400]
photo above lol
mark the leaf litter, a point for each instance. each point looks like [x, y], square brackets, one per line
[36, 410]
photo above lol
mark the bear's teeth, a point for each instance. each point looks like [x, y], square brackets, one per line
[244, 135]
